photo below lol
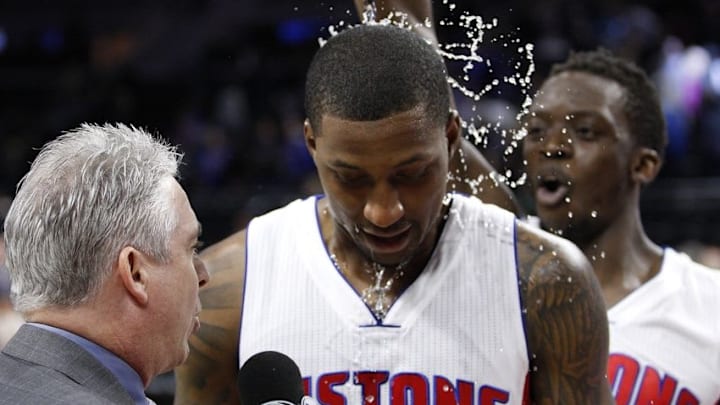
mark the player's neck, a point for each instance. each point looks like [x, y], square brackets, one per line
[362, 272]
[378, 284]
[623, 257]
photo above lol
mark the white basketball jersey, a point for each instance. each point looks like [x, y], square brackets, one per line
[455, 336]
[665, 337]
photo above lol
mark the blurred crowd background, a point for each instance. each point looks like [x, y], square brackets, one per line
[224, 79]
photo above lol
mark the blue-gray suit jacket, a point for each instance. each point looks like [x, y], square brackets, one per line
[38, 367]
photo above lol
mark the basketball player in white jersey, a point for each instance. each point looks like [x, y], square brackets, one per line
[596, 136]
[385, 289]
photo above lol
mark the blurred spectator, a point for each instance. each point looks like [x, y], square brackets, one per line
[263, 161]
[703, 253]
[224, 79]
[10, 320]
[213, 155]
[298, 163]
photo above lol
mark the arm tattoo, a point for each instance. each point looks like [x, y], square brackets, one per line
[567, 323]
[208, 376]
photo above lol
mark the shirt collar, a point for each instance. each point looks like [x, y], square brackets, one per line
[125, 374]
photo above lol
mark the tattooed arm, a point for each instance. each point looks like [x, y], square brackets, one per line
[471, 172]
[209, 375]
[566, 321]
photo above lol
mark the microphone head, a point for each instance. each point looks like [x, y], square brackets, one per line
[270, 377]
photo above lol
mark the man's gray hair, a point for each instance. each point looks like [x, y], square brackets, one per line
[89, 193]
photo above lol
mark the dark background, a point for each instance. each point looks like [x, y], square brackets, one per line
[224, 79]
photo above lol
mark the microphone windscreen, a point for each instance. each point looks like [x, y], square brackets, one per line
[270, 376]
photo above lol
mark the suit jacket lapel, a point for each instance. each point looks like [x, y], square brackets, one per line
[50, 350]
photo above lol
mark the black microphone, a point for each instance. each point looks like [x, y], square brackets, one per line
[271, 378]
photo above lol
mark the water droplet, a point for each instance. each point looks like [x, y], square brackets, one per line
[594, 214]
[570, 214]
[569, 279]
[567, 200]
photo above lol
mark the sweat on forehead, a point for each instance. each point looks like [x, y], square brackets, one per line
[369, 72]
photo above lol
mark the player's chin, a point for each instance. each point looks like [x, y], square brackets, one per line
[554, 223]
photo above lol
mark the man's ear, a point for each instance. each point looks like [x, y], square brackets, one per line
[132, 268]
[309, 138]
[645, 165]
[453, 132]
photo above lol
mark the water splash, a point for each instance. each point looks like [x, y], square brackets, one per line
[478, 77]
[369, 12]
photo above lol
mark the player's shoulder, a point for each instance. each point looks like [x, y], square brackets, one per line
[286, 215]
[696, 277]
[225, 263]
[547, 258]
[566, 318]
[229, 249]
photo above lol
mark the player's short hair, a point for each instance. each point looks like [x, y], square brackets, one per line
[369, 72]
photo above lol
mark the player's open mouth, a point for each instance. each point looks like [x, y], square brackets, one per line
[551, 191]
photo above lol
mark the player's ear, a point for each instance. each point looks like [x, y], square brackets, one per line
[645, 165]
[309, 137]
[453, 132]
